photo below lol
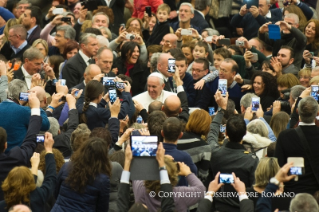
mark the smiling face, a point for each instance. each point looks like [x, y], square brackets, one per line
[258, 85]
[310, 30]
[135, 24]
[152, 23]
[154, 87]
[134, 56]
[198, 71]
[60, 40]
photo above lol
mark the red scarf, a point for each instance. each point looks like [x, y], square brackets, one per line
[128, 68]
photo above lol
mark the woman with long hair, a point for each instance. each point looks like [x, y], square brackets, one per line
[70, 49]
[311, 52]
[83, 184]
[19, 186]
[193, 141]
[265, 86]
[278, 122]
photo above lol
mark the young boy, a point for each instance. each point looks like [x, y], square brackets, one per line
[162, 26]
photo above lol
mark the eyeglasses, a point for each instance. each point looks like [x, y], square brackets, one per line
[197, 70]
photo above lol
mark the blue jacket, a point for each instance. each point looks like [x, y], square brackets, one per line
[15, 120]
[251, 25]
[95, 197]
[98, 117]
[188, 84]
[210, 89]
[6, 15]
[180, 156]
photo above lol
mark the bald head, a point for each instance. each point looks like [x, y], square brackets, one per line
[41, 95]
[155, 106]
[172, 106]
[169, 41]
[90, 72]
[19, 208]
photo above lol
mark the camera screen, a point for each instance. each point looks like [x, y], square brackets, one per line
[171, 65]
[40, 138]
[222, 128]
[222, 86]
[296, 170]
[255, 104]
[211, 111]
[144, 146]
[109, 81]
[315, 92]
[62, 82]
[226, 178]
[113, 96]
[24, 97]
[120, 85]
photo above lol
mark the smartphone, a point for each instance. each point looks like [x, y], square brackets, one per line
[113, 96]
[315, 92]
[255, 57]
[109, 81]
[136, 133]
[171, 65]
[250, 3]
[186, 32]
[225, 41]
[239, 43]
[222, 86]
[296, 170]
[274, 32]
[211, 111]
[226, 178]
[255, 101]
[57, 11]
[123, 25]
[76, 93]
[62, 82]
[144, 146]
[120, 85]
[66, 19]
[139, 120]
[24, 96]
[312, 54]
[222, 128]
[209, 39]
[148, 10]
[54, 81]
[40, 138]
[130, 36]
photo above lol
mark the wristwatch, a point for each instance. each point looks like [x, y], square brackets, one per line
[162, 168]
[210, 193]
[273, 180]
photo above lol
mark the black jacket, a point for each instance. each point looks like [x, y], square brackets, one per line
[246, 205]
[62, 142]
[73, 70]
[9, 53]
[159, 31]
[34, 35]
[199, 21]
[20, 156]
[138, 75]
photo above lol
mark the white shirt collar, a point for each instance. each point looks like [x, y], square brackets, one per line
[84, 82]
[93, 104]
[27, 76]
[306, 124]
[85, 58]
[268, 15]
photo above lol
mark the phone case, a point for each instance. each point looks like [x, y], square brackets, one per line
[274, 32]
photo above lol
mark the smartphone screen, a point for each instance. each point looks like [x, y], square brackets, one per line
[315, 92]
[24, 96]
[40, 138]
[222, 128]
[113, 96]
[211, 111]
[222, 86]
[225, 41]
[226, 178]
[119, 85]
[255, 101]
[62, 82]
[171, 65]
[295, 170]
[139, 120]
[76, 93]
[109, 81]
[144, 146]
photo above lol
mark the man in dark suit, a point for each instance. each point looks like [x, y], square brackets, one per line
[118, 8]
[17, 43]
[289, 144]
[31, 21]
[253, 18]
[33, 59]
[74, 69]
[20, 156]
[92, 72]
[202, 8]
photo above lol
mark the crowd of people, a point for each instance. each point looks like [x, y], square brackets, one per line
[220, 97]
